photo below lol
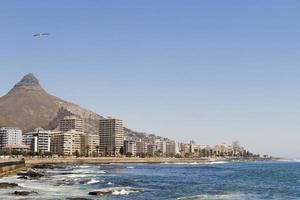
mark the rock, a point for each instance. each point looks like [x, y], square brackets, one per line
[31, 174]
[100, 193]
[24, 193]
[47, 166]
[8, 185]
[23, 177]
[43, 166]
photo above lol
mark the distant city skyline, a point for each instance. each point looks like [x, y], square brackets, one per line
[210, 71]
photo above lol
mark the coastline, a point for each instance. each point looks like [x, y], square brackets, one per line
[128, 160]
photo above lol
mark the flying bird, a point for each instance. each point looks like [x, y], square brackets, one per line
[40, 34]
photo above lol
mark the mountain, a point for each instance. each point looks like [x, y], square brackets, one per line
[28, 106]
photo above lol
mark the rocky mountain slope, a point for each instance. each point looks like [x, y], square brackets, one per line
[28, 106]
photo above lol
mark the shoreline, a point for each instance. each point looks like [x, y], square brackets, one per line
[108, 160]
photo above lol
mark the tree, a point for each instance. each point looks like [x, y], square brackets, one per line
[87, 150]
[97, 149]
[122, 150]
[128, 154]
[77, 153]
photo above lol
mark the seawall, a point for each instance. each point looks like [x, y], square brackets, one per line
[11, 167]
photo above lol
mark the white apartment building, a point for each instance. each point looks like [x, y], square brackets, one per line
[66, 143]
[10, 136]
[38, 141]
[130, 147]
[172, 148]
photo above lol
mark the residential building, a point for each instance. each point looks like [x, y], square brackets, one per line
[151, 149]
[130, 147]
[172, 148]
[111, 133]
[90, 144]
[66, 143]
[71, 123]
[140, 147]
[38, 141]
[10, 136]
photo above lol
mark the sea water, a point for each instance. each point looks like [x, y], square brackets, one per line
[224, 180]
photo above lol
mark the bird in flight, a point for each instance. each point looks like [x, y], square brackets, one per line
[40, 34]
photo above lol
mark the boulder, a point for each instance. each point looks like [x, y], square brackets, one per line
[24, 193]
[8, 185]
[31, 174]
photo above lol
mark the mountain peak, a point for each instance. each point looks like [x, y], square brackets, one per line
[28, 81]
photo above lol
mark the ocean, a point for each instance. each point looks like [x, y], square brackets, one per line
[217, 180]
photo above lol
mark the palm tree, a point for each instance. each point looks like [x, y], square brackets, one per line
[88, 150]
[97, 149]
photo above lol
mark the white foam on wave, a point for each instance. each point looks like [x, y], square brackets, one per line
[76, 175]
[288, 160]
[118, 191]
[218, 162]
[130, 167]
[84, 166]
[92, 181]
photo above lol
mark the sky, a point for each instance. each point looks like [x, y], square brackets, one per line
[213, 71]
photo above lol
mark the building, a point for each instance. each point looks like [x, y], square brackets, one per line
[130, 147]
[10, 136]
[192, 146]
[71, 123]
[163, 147]
[111, 135]
[140, 147]
[16, 147]
[222, 150]
[38, 141]
[66, 143]
[151, 149]
[172, 148]
[90, 144]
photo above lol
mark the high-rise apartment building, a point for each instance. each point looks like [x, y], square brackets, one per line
[140, 147]
[111, 135]
[38, 141]
[66, 143]
[90, 144]
[172, 148]
[71, 123]
[10, 136]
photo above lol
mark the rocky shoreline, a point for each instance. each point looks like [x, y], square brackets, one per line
[107, 160]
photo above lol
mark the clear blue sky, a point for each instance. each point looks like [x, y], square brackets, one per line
[212, 71]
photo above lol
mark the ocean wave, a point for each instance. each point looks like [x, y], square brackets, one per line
[130, 167]
[288, 160]
[235, 196]
[117, 191]
[92, 181]
[196, 163]
[218, 162]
